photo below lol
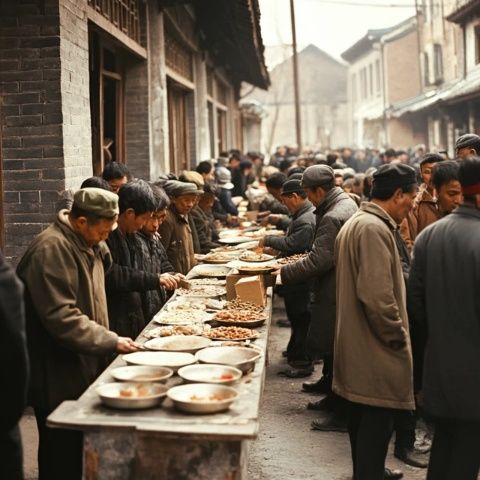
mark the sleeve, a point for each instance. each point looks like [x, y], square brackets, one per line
[374, 286]
[166, 233]
[298, 241]
[52, 282]
[320, 260]
[165, 265]
[120, 278]
[13, 346]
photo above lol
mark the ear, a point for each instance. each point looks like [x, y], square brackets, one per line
[81, 221]
[130, 212]
[398, 195]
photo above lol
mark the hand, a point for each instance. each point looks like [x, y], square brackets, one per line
[232, 220]
[261, 242]
[274, 218]
[126, 345]
[266, 213]
[168, 281]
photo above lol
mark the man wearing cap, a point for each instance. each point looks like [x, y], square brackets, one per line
[69, 340]
[444, 307]
[298, 239]
[467, 145]
[224, 181]
[373, 357]
[333, 208]
[175, 231]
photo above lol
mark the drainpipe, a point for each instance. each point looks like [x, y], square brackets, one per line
[384, 90]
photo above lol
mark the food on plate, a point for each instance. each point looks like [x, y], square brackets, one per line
[183, 316]
[255, 257]
[220, 257]
[241, 305]
[186, 306]
[134, 391]
[202, 291]
[238, 316]
[231, 333]
[291, 259]
[207, 281]
[199, 329]
[214, 397]
[225, 376]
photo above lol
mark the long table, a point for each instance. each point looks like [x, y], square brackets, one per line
[162, 443]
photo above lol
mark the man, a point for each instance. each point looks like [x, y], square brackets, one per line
[373, 357]
[13, 346]
[204, 221]
[425, 210]
[224, 181]
[125, 280]
[298, 239]
[205, 169]
[467, 145]
[333, 208]
[116, 174]
[175, 231]
[272, 210]
[69, 340]
[444, 306]
[447, 186]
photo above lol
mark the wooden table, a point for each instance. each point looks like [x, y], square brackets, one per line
[162, 443]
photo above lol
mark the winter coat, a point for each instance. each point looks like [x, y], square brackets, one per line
[225, 199]
[331, 214]
[444, 308]
[373, 356]
[124, 282]
[153, 259]
[205, 229]
[66, 315]
[176, 237]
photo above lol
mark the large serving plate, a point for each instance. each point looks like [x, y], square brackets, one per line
[179, 343]
[227, 333]
[253, 268]
[210, 373]
[202, 397]
[173, 360]
[210, 271]
[142, 374]
[258, 322]
[131, 396]
[243, 358]
[252, 257]
[234, 240]
[182, 317]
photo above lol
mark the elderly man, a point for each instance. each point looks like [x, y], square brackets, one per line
[467, 145]
[373, 358]
[69, 341]
[333, 208]
[444, 307]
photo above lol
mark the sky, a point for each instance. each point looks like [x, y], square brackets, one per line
[332, 25]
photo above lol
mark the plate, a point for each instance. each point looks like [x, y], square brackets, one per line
[217, 334]
[142, 374]
[173, 360]
[210, 271]
[255, 257]
[179, 343]
[234, 240]
[182, 317]
[202, 291]
[246, 323]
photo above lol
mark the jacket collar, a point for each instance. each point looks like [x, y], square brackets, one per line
[467, 210]
[303, 209]
[180, 218]
[329, 199]
[63, 223]
[379, 212]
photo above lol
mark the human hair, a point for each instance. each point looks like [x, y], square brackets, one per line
[387, 192]
[431, 158]
[469, 174]
[331, 158]
[96, 182]
[161, 198]
[390, 152]
[444, 172]
[114, 171]
[295, 170]
[204, 167]
[137, 195]
[358, 179]
[276, 180]
[285, 164]
[92, 218]
[245, 165]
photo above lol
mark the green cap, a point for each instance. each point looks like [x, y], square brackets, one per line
[98, 201]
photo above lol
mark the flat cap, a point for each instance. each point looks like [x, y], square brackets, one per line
[393, 175]
[317, 175]
[224, 178]
[468, 140]
[98, 201]
[292, 186]
[185, 188]
[193, 177]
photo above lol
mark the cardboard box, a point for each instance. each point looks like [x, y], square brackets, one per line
[251, 289]
[234, 276]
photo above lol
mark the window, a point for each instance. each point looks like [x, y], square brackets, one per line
[211, 129]
[370, 78]
[378, 78]
[438, 63]
[426, 69]
[477, 44]
[363, 83]
[221, 129]
[354, 88]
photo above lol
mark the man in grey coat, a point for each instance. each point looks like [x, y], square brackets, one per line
[444, 308]
[334, 208]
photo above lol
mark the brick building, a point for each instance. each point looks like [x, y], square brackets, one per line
[151, 83]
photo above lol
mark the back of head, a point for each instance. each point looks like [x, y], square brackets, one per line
[160, 197]
[390, 177]
[115, 171]
[204, 167]
[192, 176]
[136, 195]
[95, 182]
[431, 158]
[444, 172]
[469, 176]
[469, 140]
[276, 180]
[94, 204]
[319, 176]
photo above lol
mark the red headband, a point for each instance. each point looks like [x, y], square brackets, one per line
[471, 189]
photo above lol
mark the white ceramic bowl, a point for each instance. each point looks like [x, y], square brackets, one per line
[210, 373]
[142, 374]
[179, 343]
[110, 395]
[243, 358]
[173, 360]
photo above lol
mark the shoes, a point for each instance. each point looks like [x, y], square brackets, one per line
[283, 322]
[323, 405]
[411, 457]
[320, 386]
[392, 474]
[296, 372]
[330, 423]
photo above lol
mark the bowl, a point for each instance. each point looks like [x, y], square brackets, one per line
[152, 394]
[243, 358]
[207, 270]
[197, 397]
[210, 373]
[173, 360]
[142, 374]
[179, 343]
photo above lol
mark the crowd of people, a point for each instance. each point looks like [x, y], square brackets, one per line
[383, 293]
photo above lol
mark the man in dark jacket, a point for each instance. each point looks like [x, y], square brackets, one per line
[444, 308]
[14, 347]
[334, 208]
[298, 239]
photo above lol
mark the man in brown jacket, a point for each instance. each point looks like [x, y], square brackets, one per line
[67, 321]
[373, 357]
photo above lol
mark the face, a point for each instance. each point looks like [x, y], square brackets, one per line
[465, 152]
[338, 181]
[234, 163]
[116, 183]
[153, 223]
[185, 203]
[95, 233]
[449, 197]
[403, 158]
[315, 195]
[133, 223]
[292, 202]
[206, 202]
[402, 203]
[275, 192]
[426, 173]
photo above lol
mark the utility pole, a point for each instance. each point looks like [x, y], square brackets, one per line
[298, 126]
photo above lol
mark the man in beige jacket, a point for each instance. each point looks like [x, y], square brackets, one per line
[373, 357]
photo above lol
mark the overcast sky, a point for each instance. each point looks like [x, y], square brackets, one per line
[332, 25]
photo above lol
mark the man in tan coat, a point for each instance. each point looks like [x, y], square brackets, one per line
[69, 342]
[373, 357]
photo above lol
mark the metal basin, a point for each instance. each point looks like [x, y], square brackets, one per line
[211, 373]
[202, 397]
[173, 360]
[142, 374]
[242, 358]
[149, 395]
[179, 343]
